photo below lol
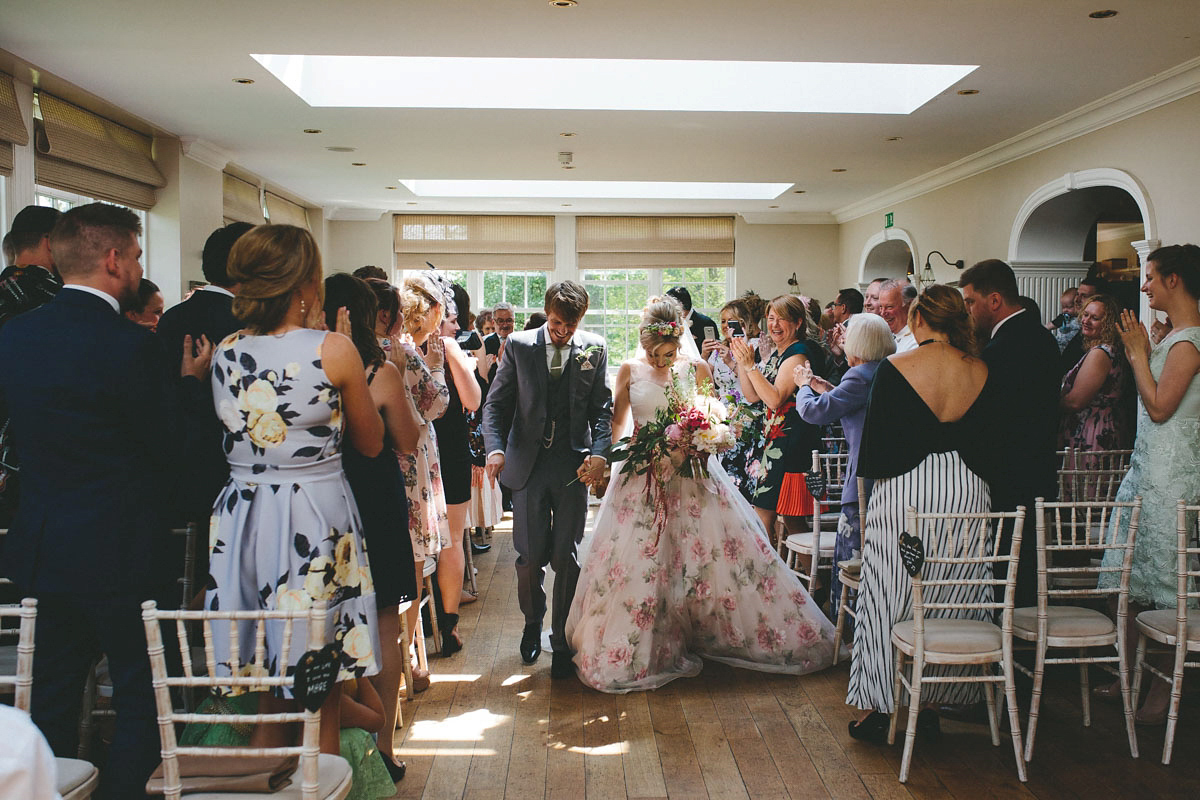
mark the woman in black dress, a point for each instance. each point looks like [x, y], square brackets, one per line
[350, 308]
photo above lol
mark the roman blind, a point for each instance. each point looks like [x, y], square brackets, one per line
[452, 241]
[81, 152]
[282, 211]
[647, 242]
[12, 124]
[242, 202]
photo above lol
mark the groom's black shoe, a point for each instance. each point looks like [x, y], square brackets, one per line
[531, 643]
[562, 666]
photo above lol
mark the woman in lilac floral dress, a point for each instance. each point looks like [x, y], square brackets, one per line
[1097, 390]
[652, 601]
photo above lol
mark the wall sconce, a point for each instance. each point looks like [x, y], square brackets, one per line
[792, 282]
[927, 276]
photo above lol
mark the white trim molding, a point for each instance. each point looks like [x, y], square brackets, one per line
[788, 218]
[1157, 90]
[350, 214]
[1083, 179]
[206, 153]
[886, 235]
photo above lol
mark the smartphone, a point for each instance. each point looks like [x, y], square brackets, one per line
[468, 340]
[735, 327]
[710, 332]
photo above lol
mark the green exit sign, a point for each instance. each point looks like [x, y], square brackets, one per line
[888, 219]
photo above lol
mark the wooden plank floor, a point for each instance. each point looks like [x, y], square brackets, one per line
[491, 727]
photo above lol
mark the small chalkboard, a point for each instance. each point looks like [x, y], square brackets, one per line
[316, 675]
[912, 553]
[815, 481]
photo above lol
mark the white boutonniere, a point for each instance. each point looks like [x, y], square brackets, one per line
[584, 357]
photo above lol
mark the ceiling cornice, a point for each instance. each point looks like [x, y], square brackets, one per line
[348, 214]
[788, 217]
[206, 153]
[1166, 87]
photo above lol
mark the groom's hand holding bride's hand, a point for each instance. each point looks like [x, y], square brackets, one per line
[591, 471]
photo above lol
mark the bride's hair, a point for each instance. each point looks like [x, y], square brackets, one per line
[662, 323]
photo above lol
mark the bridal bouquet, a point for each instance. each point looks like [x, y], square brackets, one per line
[678, 441]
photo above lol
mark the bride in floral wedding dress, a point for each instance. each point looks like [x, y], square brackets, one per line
[655, 595]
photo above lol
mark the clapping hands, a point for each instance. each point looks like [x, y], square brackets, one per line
[197, 356]
[1133, 336]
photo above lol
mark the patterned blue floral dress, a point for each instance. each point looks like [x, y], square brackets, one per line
[285, 531]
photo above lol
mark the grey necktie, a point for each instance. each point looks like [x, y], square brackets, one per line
[556, 364]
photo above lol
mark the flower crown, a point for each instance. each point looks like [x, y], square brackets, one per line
[672, 329]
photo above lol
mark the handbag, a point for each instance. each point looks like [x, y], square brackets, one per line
[228, 774]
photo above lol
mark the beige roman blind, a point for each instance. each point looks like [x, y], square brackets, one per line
[12, 124]
[282, 211]
[646, 242]
[474, 242]
[242, 202]
[78, 151]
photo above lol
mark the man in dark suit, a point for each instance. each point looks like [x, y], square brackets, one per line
[1023, 361]
[208, 313]
[96, 427]
[505, 318]
[696, 321]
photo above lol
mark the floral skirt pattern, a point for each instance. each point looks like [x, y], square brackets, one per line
[286, 546]
[652, 600]
[428, 526]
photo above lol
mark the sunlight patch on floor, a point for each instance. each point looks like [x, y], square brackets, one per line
[468, 727]
[452, 677]
[514, 679]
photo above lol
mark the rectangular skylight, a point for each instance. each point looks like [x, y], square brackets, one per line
[611, 84]
[656, 190]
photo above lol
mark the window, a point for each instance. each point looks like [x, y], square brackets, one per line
[524, 289]
[65, 201]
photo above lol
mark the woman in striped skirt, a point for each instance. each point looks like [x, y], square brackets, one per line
[923, 443]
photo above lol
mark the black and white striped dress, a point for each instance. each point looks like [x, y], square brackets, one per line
[942, 482]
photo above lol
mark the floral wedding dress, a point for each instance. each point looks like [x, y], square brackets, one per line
[654, 597]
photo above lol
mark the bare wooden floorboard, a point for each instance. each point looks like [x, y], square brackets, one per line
[491, 727]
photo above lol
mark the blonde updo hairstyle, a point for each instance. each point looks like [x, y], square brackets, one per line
[272, 263]
[658, 314]
[417, 299]
[943, 310]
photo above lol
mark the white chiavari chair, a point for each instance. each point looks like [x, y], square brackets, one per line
[1058, 621]
[849, 575]
[322, 776]
[950, 632]
[817, 546]
[1178, 629]
[77, 779]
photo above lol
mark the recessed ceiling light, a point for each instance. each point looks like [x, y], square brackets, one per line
[564, 3]
[839, 169]
[659, 190]
[965, 92]
[772, 206]
[567, 133]
[567, 205]
[411, 202]
[568, 166]
[312, 130]
[894, 139]
[611, 84]
[244, 81]
[389, 187]
[358, 163]
[340, 149]
[799, 191]
[1105, 14]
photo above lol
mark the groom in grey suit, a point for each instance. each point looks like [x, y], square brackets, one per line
[552, 384]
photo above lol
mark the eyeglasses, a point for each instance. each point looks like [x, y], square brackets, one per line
[504, 320]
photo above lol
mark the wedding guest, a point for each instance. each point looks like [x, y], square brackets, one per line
[351, 309]
[871, 299]
[454, 455]
[1165, 466]
[285, 531]
[717, 353]
[147, 308]
[1066, 324]
[783, 453]
[693, 319]
[371, 272]
[1022, 357]
[819, 402]
[748, 415]
[97, 424]
[484, 324]
[536, 320]
[937, 461]
[1094, 391]
[1072, 350]
[893, 307]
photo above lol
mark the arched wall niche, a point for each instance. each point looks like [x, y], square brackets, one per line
[887, 254]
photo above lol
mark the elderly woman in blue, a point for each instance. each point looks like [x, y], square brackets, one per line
[868, 342]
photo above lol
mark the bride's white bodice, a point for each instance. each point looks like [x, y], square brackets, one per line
[648, 393]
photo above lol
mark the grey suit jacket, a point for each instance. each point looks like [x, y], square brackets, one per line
[514, 415]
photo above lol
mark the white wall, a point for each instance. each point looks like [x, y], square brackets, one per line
[765, 256]
[353, 244]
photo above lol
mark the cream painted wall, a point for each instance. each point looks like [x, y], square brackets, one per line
[188, 209]
[972, 219]
[765, 256]
[351, 244]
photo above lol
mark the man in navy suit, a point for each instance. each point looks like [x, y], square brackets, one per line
[95, 424]
[1023, 364]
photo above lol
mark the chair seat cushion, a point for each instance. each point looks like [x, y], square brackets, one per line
[75, 774]
[803, 543]
[1063, 622]
[1163, 623]
[851, 566]
[333, 779]
[950, 636]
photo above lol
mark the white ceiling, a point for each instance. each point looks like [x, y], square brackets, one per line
[172, 65]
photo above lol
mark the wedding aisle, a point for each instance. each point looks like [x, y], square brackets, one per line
[491, 727]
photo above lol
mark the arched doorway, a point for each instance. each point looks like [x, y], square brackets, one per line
[888, 254]
[1094, 216]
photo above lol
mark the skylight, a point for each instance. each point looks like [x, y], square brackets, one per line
[611, 84]
[657, 190]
